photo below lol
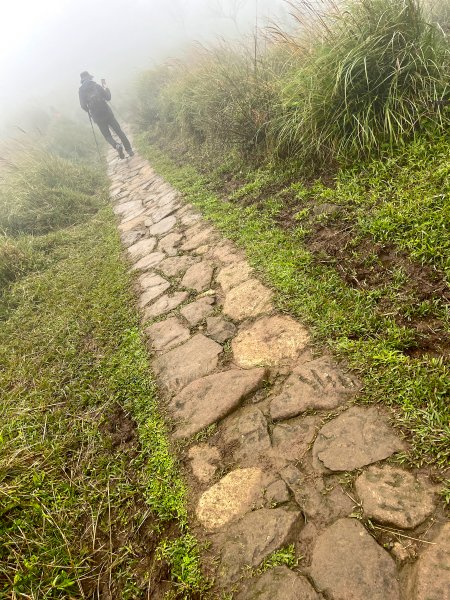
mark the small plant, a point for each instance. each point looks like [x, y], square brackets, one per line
[204, 435]
[283, 557]
[446, 491]
[183, 558]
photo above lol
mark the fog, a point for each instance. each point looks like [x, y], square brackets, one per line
[45, 44]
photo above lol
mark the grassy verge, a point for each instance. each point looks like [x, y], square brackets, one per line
[91, 501]
[346, 318]
[346, 80]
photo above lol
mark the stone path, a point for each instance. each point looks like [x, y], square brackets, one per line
[276, 452]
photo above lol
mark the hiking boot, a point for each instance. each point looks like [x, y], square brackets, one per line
[130, 152]
[119, 149]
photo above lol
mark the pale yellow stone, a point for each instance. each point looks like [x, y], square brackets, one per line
[230, 498]
[270, 341]
[233, 275]
[248, 300]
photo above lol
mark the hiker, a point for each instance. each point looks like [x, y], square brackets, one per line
[94, 100]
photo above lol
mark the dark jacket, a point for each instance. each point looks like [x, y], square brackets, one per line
[94, 100]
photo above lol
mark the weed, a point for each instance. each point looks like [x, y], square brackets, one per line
[183, 557]
[446, 491]
[285, 556]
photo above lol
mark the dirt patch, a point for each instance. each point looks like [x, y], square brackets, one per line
[120, 427]
[128, 527]
[366, 265]
[231, 184]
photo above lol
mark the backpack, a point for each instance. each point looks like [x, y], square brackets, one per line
[95, 100]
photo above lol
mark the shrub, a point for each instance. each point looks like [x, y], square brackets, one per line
[372, 80]
[14, 261]
[42, 193]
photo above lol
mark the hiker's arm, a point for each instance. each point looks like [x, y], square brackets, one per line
[106, 94]
[83, 103]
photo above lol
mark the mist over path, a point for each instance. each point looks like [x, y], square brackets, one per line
[44, 47]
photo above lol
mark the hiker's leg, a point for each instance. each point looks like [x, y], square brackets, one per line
[116, 128]
[106, 133]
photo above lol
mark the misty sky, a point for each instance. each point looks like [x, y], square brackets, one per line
[44, 44]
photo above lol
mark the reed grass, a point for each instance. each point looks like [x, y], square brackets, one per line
[373, 79]
[352, 80]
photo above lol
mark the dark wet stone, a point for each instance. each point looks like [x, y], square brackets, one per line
[430, 576]
[247, 432]
[358, 437]
[395, 497]
[196, 312]
[219, 329]
[278, 583]
[252, 539]
[316, 385]
[212, 398]
[292, 439]
[194, 359]
[348, 564]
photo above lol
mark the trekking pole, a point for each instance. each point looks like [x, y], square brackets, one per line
[95, 137]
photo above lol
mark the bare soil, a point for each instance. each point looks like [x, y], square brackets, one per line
[116, 533]
[334, 244]
[364, 264]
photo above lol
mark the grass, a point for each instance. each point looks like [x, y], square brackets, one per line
[283, 557]
[372, 71]
[403, 200]
[91, 499]
[41, 192]
[345, 318]
[352, 80]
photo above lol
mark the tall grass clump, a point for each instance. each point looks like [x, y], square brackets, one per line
[146, 105]
[41, 192]
[374, 73]
[15, 259]
[349, 81]
[221, 97]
